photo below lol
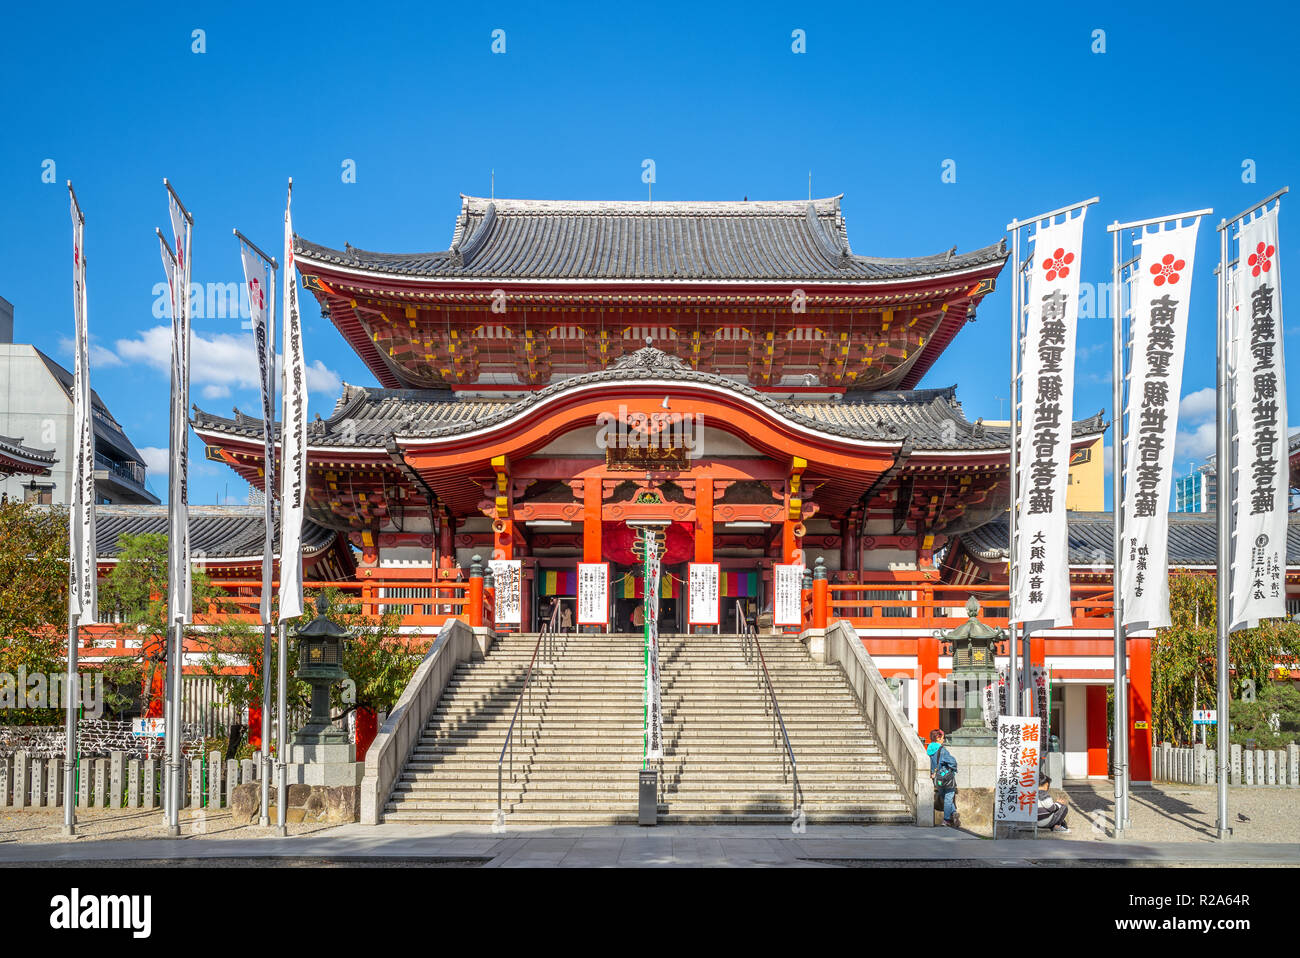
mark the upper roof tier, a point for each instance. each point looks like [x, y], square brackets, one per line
[530, 292]
[642, 240]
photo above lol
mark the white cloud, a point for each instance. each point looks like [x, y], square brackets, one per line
[100, 356]
[1195, 444]
[322, 380]
[155, 460]
[1198, 406]
[218, 364]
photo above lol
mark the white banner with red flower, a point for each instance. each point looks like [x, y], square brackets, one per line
[1262, 480]
[1161, 293]
[1042, 586]
[255, 278]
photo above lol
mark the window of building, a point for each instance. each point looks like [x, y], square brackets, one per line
[41, 495]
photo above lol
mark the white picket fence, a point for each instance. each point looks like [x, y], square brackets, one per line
[36, 781]
[1247, 766]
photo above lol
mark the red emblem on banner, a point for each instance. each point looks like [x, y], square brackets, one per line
[255, 293]
[1166, 271]
[1261, 260]
[1058, 264]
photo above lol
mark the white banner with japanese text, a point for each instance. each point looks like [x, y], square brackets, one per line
[1161, 293]
[83, 573]
[1262, 480]
[293, 430]
[255, 277]
[1042, 586]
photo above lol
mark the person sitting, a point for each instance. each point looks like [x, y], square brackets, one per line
[943, 770]
[1051, 813]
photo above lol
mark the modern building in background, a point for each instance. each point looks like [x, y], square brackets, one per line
[36, 420]
[1197, 491]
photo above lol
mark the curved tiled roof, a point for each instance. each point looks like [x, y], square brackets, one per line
[25, 458]
[1193, 539]
[641, 240]
[930, 418]
[218, 532]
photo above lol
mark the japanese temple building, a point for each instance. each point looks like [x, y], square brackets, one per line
[731, 368]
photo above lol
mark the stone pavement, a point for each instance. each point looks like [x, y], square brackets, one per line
[1172, 825]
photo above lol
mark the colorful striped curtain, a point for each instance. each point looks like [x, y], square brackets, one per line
[632, 587]
[739, 585]
[559, 582]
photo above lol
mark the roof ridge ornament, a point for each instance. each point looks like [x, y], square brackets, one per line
[649, 357]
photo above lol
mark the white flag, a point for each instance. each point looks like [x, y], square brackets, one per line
[83, 587]
[1161, 292]
[255, 280]
[1042, 586]
[294, 439]
[1259, 398]
[180, 585]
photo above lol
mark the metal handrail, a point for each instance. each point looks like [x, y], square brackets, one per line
[546, 643]
[753, 652]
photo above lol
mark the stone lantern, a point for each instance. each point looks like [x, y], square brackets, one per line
[320, 665]
[973, 646]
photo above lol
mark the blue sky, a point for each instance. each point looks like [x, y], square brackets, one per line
[1161, 122]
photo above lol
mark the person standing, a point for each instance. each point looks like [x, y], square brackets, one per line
[943, 771]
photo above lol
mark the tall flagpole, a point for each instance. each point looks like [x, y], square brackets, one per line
[1013, 699]
[1226, 463]
[81, 516]
[178, 571]
[1019, 692]
[1128, 360]
[292, 479]
[262, 310]
[1223, 516]
[1119, 747]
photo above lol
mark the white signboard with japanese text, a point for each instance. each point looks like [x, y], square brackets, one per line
[789, 594]
[702, 584]
[593, 593]
[507, 578]
[1019, 748]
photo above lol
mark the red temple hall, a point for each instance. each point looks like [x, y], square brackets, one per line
[731, 370]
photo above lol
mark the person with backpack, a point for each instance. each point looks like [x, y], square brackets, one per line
[943, 771]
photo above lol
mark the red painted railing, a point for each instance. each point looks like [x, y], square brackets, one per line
[936, 605]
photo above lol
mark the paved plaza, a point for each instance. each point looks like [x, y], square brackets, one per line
[1172, 825]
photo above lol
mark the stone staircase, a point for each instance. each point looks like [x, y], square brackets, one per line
[579, 750]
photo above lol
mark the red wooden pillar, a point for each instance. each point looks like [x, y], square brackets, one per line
[1139, 710]
[1098, 744]
[849, 545]
[591, 506]
[704, 519]
[446, 549]
[1038, 657]
[788, 541]
[820, 596]
[927, 674]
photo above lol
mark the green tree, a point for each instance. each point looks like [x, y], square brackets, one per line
[135, 594]
[33, 597]
[380, 661]
[1183, 657]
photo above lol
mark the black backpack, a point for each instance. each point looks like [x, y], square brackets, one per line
[945, 777]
